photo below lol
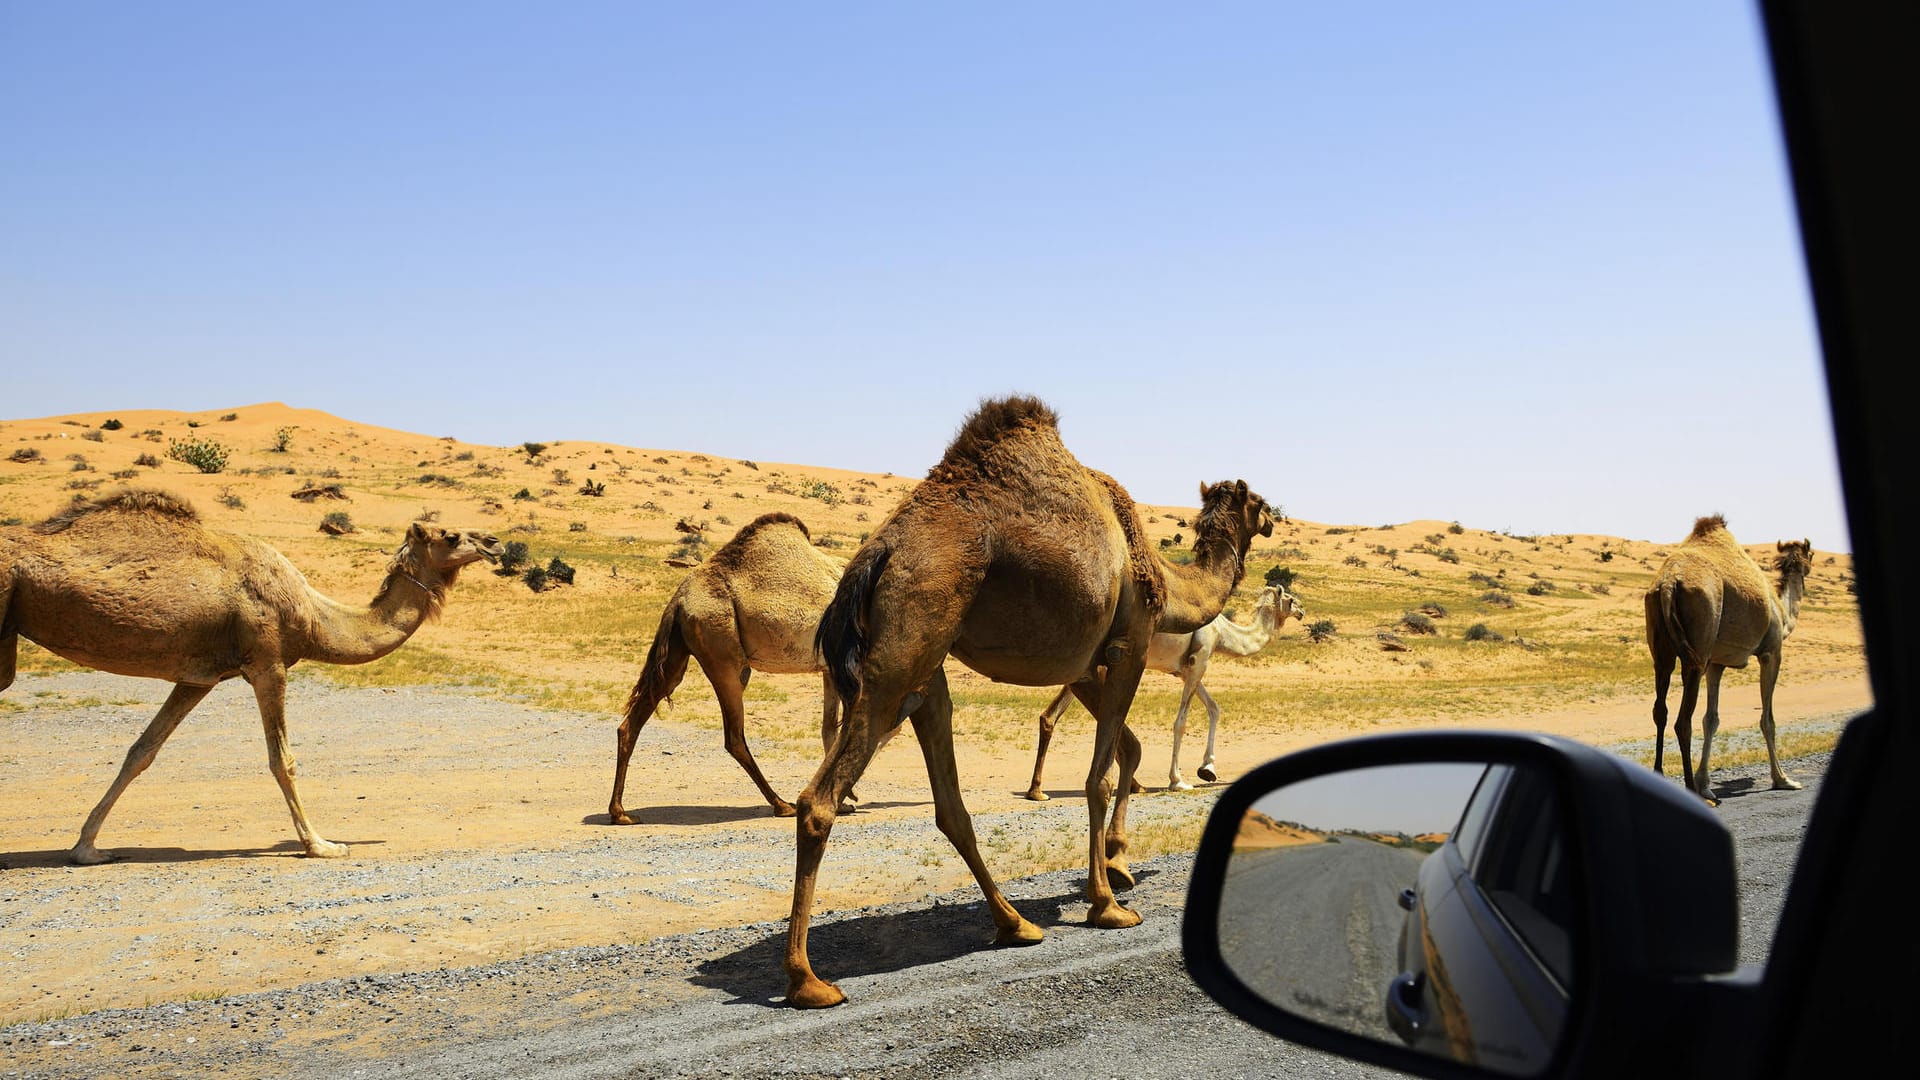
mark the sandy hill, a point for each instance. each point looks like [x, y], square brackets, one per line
[1257, 830]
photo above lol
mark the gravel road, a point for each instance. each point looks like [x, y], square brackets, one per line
[928, 997]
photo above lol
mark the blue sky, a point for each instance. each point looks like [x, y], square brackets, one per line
[1529, 267]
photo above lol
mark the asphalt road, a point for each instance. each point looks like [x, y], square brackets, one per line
[928, 997]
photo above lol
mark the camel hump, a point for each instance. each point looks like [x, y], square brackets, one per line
[733, 554]
[995, 420]
[1147, 575]
[127, 501]
[1705, 526]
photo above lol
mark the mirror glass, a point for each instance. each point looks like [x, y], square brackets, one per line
[1435, 906]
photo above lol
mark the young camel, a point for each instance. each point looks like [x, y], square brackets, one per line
[133, 584]
[1710, 608]
[1187, 656]
[1031, 569]
[752, 607]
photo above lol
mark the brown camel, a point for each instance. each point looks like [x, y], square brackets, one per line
[754, 606]
[1029, 568]
[133, 584]
[1711, 608]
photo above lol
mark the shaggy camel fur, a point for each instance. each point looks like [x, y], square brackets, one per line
[133, 584]
[1711, 608]
[1029, 568]
[1187, 655]
[753, 607]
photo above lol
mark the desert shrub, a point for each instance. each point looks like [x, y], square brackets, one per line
[1433, 608]
[464, 455]
[1354, 560]
[512, 556]
[1600, 589]
[749, 464]
[1447, 555]
[820, 489]
[576, 526]
[1488, 580]
[1320, 630]
[125, 474]
[1497, 598]
[80, 465]
[438, 480]
[95, 435]
[523, 495]
[1436, 539]
[1540, 588]
[204, 454]
[1280, 577]
[1417, 622]
[535, 577]
[559, 571]
[25, 454]
[336, 523]
[282, 439]
[152, 434]
[229, 416]
[193, 423]
[533, 449]
[1456, 528]
[112, 425]
[230, 500]
[599, 489]
[562, 476]
[1482, 632]
[147, 461]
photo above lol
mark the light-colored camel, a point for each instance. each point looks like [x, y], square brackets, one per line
[1711, 608]
[753, 606]
[133, 584]
[1187, 656]
[1031, 569]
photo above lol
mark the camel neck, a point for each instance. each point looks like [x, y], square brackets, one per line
[348, 635]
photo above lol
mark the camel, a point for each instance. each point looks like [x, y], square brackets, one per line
[1187, 656]
[752, 607]
[133, 584]
[1031, 569]
[1711, 608]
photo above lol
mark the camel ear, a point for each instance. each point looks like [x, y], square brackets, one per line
[1204, 489]
[1240, 488]
[416, 532]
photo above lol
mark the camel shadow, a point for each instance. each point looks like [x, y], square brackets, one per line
[871, 945]
[11, 860]
[722, 815]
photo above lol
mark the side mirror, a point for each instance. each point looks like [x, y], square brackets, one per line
[1467, 904]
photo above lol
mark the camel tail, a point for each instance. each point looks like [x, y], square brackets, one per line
[1676, 633]
[841, 642]
[657, 675]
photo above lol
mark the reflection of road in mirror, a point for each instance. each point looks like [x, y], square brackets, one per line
[1314, 925]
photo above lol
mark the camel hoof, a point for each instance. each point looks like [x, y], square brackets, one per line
[88, 855]
[781, 809]
[1207, 774]
[814, 993]
[1179, 785]
[1111, 916]
[619, 817]
[326, 849]
[1119, 877]
[1038, 796]
[1781, 783]
[1023, 934]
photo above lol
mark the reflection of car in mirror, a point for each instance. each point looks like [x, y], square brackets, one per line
[1485, 950]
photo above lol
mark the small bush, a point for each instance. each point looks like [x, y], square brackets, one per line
[512, 556]
[1540, 588]
[1433, 608]
[1482, 632]
[125, 474]
[1320, 630]
[577, 526]
[1280, 577]
[438, 480]
[464, 455]
[229, 416]
[282, 440]
[1606, 556]
[1354, 560]
[112, 425]
[559, 571]
[336, 523]
[80, 465]
[1600, 589]
[599, 489]
[820, 489]
[1447, 555]
[152, 434]
[25, 454]
[147, 461]
[95, 435]
[533, 449]
[230, 500]
[1416, 622]
[1488, 580]
[535, 577]
[523, 495]
[204, 454]
[1456, 528]
[562, 476]
[1497, 598]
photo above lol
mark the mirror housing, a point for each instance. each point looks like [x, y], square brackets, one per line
[1658, 954]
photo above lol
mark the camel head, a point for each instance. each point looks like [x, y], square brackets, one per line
[1228, 510]
[1283, 604]
[1795, 559]
[440, 553]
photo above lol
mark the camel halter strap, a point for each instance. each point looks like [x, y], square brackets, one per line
[423, 585]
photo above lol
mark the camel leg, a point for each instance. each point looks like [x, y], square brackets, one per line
[830, 730]
[9, 652]
[1709, 723]
[1108, 700]
[1683, 723]
[140, 755]
[657, 682]
[1662, 679]
[270, 691]
[1206, 770]
[1769, 673]
[1118, 875]
[1174, 780]
[865, 728]
[933, 729]
[730, 686]
[1049, 716]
